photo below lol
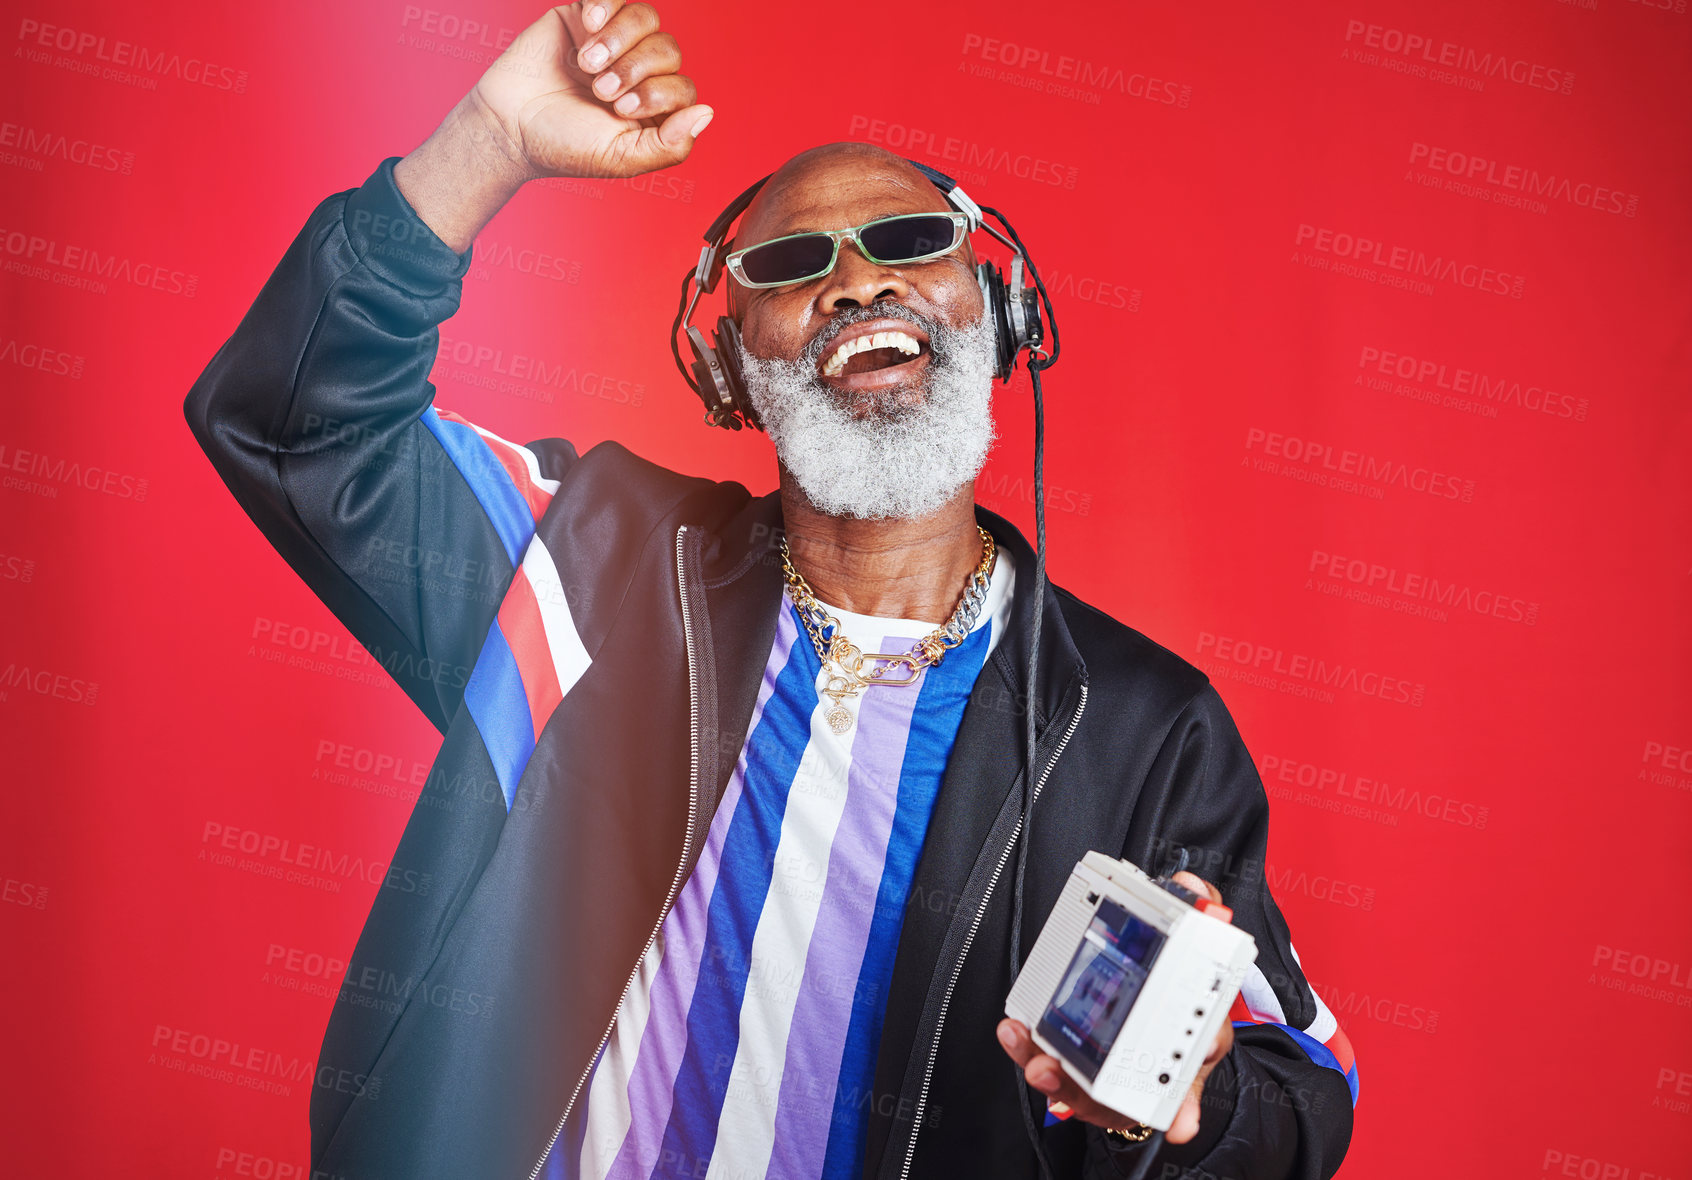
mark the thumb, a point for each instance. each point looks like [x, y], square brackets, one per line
[1186, 1122]
[1198, 885]
[671, 141]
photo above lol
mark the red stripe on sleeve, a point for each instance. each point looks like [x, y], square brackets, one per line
[508, 458]
[519, 473]
[520, 621]
[1340, 1046]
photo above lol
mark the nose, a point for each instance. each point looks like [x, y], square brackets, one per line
[858, 282]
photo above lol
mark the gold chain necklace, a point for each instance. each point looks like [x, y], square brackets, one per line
[832, 645]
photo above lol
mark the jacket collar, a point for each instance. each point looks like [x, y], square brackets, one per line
[743, 556]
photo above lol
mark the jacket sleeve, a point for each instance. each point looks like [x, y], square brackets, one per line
[1279, 1106]
[317, 412]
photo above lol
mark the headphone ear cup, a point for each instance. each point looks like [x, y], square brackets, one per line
[714, 388]
[728, 355]
[996, 304]
[1022, 309]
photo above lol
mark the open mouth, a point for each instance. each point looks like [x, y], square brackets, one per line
[876, 352]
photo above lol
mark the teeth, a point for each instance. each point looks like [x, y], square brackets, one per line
[903, 341]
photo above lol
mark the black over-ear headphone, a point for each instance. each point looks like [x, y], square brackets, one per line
[716, 375]
[1016, 313]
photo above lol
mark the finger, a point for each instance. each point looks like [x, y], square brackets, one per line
[596, 12]
[586, 17]
[1047, 1076]
[1219, 1048]
[1013, 1035]
[646, 149]
[1186, 1122]
[1198, 885]
[656, 96]
[656, 56]
[673, 138]
[1041, 1069]
[1043, 1072]
[576, 25]
[622, 32]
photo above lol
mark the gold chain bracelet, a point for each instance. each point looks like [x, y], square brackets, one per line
[1138, 1135]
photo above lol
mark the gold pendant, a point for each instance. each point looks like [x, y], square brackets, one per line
[839, 718]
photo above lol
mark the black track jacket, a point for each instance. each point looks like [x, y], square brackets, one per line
[527, 883]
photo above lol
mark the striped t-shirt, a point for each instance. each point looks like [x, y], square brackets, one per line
[746, 1045]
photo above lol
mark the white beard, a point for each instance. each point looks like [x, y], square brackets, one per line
[896, 460]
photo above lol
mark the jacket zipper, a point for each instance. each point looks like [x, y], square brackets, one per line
[974, 925]
[687, 846]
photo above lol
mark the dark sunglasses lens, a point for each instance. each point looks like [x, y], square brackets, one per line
[788, 260]
[908, 237]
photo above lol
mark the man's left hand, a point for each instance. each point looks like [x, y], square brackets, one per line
[1046, 1075]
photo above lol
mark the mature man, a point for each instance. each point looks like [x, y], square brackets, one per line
[700, 901]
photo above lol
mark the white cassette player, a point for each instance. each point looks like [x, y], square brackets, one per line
[1128, 985]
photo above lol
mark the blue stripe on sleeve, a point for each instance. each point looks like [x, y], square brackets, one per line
[491, 484]
[496, 700]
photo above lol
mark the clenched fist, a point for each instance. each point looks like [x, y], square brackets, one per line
[592, 89]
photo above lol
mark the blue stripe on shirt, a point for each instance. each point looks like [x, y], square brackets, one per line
[713, 1019]
[939, 711]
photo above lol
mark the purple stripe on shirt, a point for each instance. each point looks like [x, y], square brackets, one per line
[662, 1042]
[817, 1035]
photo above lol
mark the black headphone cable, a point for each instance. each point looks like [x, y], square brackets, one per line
[1036, 364]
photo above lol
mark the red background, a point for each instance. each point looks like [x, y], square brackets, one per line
[1490, 886]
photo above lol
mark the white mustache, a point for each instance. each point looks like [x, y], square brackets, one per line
[823, 341]
[900, 460]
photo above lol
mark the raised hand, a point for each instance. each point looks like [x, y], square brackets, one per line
[592, 89]
[578, 93]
